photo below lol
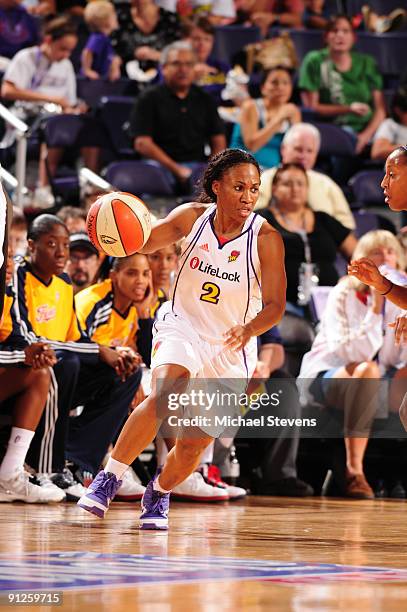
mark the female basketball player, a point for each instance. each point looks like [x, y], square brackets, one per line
[394, 185]
[209, 328]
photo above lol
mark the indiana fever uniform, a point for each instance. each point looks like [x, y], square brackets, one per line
[101, 321]
[78, 378]
[218, 287]
[12, 342]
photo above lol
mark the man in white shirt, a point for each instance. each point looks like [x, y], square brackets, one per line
[300, 145]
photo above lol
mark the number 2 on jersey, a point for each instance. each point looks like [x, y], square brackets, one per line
[211, 293]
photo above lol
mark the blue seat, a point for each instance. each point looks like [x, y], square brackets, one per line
[335, 140]
[62, 132]
[114, 112]
[92, 90]
[366, 188]
[139, 177]
[229, 40]
[365, 222]
[306, 40]
[389, 50]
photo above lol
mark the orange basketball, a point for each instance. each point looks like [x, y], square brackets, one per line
[118, 223]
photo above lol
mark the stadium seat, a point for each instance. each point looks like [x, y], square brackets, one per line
[230, 40]
[139, 177]
[306, 40]
[92, 90]
[389, 50]
[114, 112]
[366, 188]
[62, 131]
[335, 140]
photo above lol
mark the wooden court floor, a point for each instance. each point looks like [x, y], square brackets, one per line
[316, 530]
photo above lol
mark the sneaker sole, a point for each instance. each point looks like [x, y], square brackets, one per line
[162, 526]
[89, 506]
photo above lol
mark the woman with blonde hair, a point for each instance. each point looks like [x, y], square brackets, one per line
[355, 343]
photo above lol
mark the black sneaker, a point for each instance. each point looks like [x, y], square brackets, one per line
[66, 481]
[288, 487]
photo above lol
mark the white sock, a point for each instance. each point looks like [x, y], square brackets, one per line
[158, 487]
[116, 468]
[17, 449]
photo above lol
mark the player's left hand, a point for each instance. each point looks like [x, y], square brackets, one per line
[400, 329]
[237, 337]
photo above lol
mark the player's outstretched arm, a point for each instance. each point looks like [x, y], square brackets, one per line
[367, 272]
[176, 225]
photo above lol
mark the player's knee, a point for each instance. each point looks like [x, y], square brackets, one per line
[39, 379]
[368, 369]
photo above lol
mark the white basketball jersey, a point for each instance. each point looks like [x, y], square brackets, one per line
[218, 286]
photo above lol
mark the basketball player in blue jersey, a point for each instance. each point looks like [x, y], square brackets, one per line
[230, 288]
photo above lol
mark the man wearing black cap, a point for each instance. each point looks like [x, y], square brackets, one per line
[83, 261]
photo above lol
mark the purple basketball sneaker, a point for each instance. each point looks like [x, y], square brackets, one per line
[100, 493]
[155, 506]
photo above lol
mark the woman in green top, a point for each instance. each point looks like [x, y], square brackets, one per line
[344, 84]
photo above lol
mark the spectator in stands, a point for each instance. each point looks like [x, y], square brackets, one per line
[277, 456]
[74, 218]
[45, 74]
[300, 145]
[268, 13]
[18, 30]
[97, 377]
[27, 387]
[210, 73]
[315, 15]
[144, 30]
[264, 121]
[309, 237]
[18, 233]
[83, 263]
[355, 343]
[344, 85]
[173, 122]
[98, 58]
[392, 133]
